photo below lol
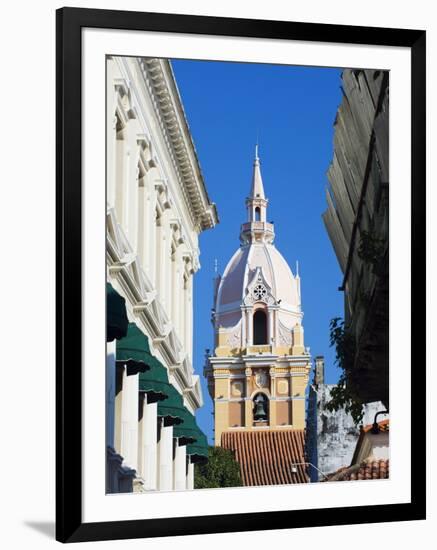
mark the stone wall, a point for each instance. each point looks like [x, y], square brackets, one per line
[331, 436]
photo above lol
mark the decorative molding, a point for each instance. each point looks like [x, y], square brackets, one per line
[237, 389]
[160, 82]
[142, 298]
[282, 386]
[218, 372]
[261, 379]
[258, 290]
[137, 88]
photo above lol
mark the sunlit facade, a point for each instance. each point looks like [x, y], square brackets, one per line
[157, 205]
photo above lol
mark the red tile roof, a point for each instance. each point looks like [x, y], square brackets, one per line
[267, 457]
[368, 469]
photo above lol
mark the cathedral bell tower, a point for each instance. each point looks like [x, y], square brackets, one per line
[258, 371]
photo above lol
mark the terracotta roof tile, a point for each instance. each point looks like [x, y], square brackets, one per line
[368, 469]
[267, 457]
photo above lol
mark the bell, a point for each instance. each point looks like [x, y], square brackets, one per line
[260, 412]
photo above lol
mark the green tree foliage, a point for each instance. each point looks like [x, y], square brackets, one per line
[341, 395]
[221, 470]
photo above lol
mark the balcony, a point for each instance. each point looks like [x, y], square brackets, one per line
[257, 227]
[257, 231]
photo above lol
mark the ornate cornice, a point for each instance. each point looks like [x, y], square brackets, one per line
[161, 83]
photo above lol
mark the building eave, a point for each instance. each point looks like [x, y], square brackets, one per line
[160, 78]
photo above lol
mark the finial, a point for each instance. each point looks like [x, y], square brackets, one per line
[297, 268]
[215, 266]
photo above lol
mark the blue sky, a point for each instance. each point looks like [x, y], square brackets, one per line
[292, 111]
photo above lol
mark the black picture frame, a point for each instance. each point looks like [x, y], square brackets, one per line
[69, 24]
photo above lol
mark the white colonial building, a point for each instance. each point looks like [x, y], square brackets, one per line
[157, 205]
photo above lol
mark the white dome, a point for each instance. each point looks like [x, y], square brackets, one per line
[241, 269]
[257, 274]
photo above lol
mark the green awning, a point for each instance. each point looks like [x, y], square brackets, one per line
[198, 451]
[154, 382]
[116, 317]
[172, 409]
[187, 432]
[134, 352]
[131, 350]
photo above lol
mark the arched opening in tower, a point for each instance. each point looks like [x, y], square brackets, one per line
[257, 214]
[260, 408]
[259, 327]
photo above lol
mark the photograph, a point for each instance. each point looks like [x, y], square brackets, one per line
[215, 215]
[247, 275]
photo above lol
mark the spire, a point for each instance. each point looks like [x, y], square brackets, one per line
[257, 189]
[256, 229]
